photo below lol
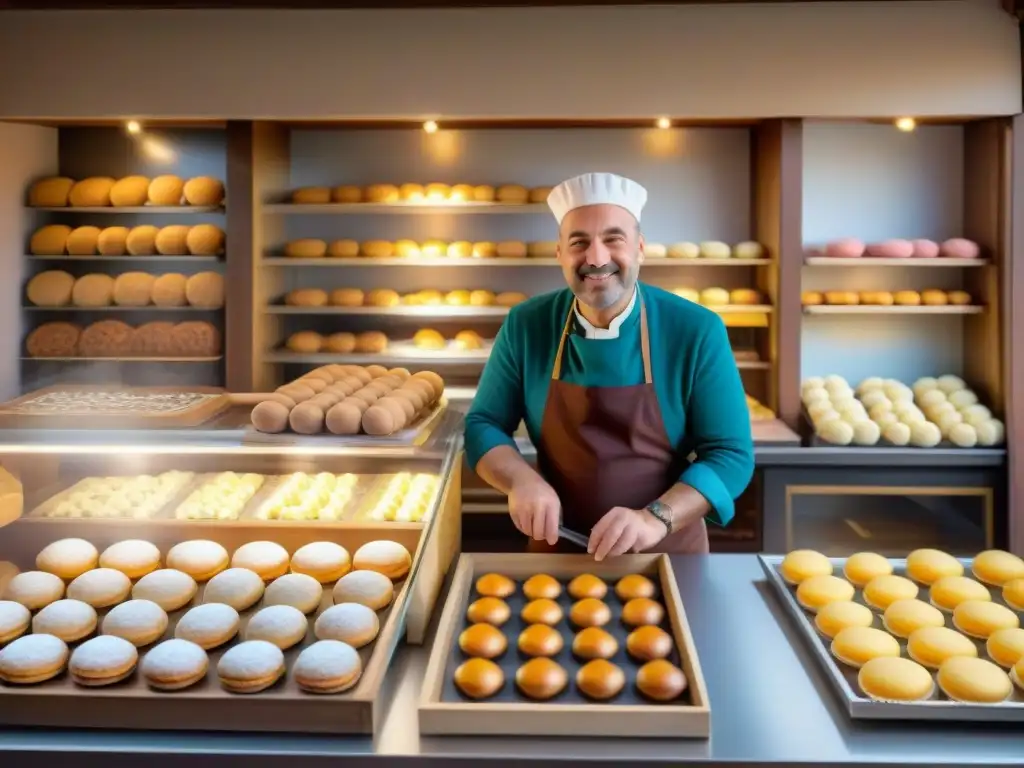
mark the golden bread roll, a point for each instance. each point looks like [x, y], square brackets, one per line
[306, 297]
[690, 294]
[130, 192]
[540, 194]
[746, 296]
[205, 290]
[812, 298]
[113, 241]
[343, 249]
[51, 192]
[428, 338]
[381, 193]
[959, 298]
[407, 249]
[683, 250]
[203, 190]
[341, 343]
[542, 250]
[141, 240]
[347, 193]
[748, 249]
[93, 290]
[172, 240]
[169, 290]
[437, 192]
[411, 192]
[481, 298]
[907, 298]
[511, 249]
[714, 297]
[134, 289]
[509, 298]
[934, 298]
[311, 196]
[371, 342]
[377, 249]
[714, 249]
[205, 240]
[50, 240]
[166, 190]
[462, 249]
[83, 241]
[106, 338]
[429, 297]
[383, 297]
[457, 298]
[468, 340]
[842, 297]
[512, 193]
[347, 297]
[306, 248]
[484, 193]
[155, 339]
[485, 250]
[93, 192]
[433, 249]
[305, 342]
[655, 251]
[461, 193]
[877, 298]
[196, 338]
[53, 340]
[51, 288]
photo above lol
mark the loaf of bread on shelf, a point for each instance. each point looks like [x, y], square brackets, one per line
[845, 248]
[113, 241]
[404, 249]
[381, 193]
[305, 342]
[655, 250]
[842, 297]
[51, 288]
[172, 240]
[433, 249]
[428, 297]
[340, 343]
[746, 297]
[457, 298]
[683, 250]
[428, 338]
[511, 249]
[383, 297]
[130, 192]
[512, 193]
[907, 298]
[924, 249]
[371, 342]
[57, 339]
[895, 248]
[166, 190]
[714, 297]
[377, 249]
[461, 193]
[437, 191]
[83, 241]
[306, 297]
[877, 298]
[959, 248]
[203, 190]
[346, 193]
[540, 194]
[134, 289]
[205, 290]
[481, 298]
[169, 290]
[205, 240]
[141, 240]
[92, 192]
[106, 338]
[932, 297]
[197, 338]
[748, 249]
[50, 240]
[343, 249]
[468, 340]
[311, 196]
[50, 192]
[411, 192]
[812, 298]
[155, 339]
[715, 249]
[509, 298]
[93, 290]
[306, 248]
[546, 249]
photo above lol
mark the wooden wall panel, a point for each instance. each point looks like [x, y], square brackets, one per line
[1013, 338]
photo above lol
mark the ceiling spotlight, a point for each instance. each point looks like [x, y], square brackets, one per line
[906, 124]
[663, 122]
[133, 127]
[430, 126]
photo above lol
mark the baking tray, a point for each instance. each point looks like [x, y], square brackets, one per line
[415, 434]
[444, 710]
[843, 679]
[17, 413]
[207, 706]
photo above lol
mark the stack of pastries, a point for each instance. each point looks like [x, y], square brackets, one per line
[141, 240]
[57, 288]
[386, 297]
[931, 297]
[411, 192]
[114, 339]
[130, 191]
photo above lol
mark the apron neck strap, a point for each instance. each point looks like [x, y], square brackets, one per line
[645, 342]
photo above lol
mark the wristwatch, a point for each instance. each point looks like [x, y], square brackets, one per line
[662, 512]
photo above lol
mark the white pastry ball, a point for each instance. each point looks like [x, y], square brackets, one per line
[836, 432]
[924, 434]
[818, 409]
[924, 384]
[843, 400]
[826, 416]
[853, 413]
[815, 395]
[879, 408]
[963, 398]
[936, 412]
[963, 436]
[912, 418]
[975, 415]
[950, 383]
[897, 433]
[883, 420]
[991, 433]
[835, 381]
[866, 433]
[874, 396]
[813, 382]
[931, 397]
[902, 407]
[898, 391]
[870, 385]
[947, 421]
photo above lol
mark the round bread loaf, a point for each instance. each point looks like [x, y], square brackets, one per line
[347, 297]
[205, 240]
[347, 193]
[203, 190]
[171, 241]
[106, 338]
[305, 342]
[169, 290]
[371, 342]
[196, 338]
[343, 249]
[51, 288]
[154, 339]
[51, 192]
[113, 241]
[53, 340]
[306, 297]
[141, 240]
[206, 290]
[311, 196]
[166, 190]
[131, 191]
[50, 240]
[93, 290]
[93, 192]
[512, 193]
[134, 289]
[381, 193]
[83, 241]
[307, 248]
[341, 343]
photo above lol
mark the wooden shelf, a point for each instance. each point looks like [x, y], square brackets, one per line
[187, 210]
[284, 261]
[399, 357]
[124, 359]
[126, 257]
[737, 309]
[827, 261]
[437, 311]
[874, 309]
[333, 209]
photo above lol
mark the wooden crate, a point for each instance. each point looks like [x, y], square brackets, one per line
[442, 712]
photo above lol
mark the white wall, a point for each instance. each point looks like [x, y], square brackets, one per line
[26, 153]
[874, 182]
[952, 57]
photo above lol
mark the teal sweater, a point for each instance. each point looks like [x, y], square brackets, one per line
[698, 386]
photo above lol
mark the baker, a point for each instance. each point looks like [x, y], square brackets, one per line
[630, 394]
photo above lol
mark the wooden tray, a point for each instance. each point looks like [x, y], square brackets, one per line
[207, 706]
[415, 434]
[444, 711]
[16, 414]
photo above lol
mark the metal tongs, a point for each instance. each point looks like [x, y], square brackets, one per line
[576, 538]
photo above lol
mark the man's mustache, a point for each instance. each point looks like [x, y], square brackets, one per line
[607, 269]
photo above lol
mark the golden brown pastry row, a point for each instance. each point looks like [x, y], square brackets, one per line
[56, 288]
[313, 248]
[130, 191]
[113, 338]
[385, 297]
[375, 342]
[143, 240]
[931, 297]
[411, 192]
[720, 297]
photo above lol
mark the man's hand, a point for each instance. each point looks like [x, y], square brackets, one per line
[535, 508]
[624, 530]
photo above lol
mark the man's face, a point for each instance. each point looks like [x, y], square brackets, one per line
[600, 249]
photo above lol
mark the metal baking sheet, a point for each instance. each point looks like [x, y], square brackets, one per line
[844, 679]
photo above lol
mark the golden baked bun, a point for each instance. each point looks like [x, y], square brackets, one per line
[461, 193]
[381, 193]
[481, 298]
[371, 342]
[203, 190]
[541, 611]
[997, 567]
[842, 298]
[205, 290]
[511, 249]
[411, 192]
[433, 249]
[862, 567]
[172, 240]
[377, 249]
[949, 591]
[715, 249]
[141, 240]
[812, 298]
[485, 250]
[437, 192]
[883, 591]
[541, 586]
[547, 249]
[479, 678]
[50, 240]
[484, 193]
[801, 564]
[83, 241]
[343, 249]
[540, 640]
[94, 290]
[306, 248]
[714, 297]
[594, 643]
[980, 618]
[648, 643]
[833, 618]
[166, 190]
[930, 646]
[113, 241]
[483, 640]
[509, 298]
[495, 585]
[169, 290]
[907, 298]
[590, 612]
[106, 338]
[959, 298]
[205, 240]
[855, 646]
[51, 192]
[934, 298]
[347, 297]
[428, 338]
[683, 250]
[461, 249]
[53, 340]
[973, 681]
[904, 617]
[134, 289]
[488, 610]
[468, 340]
[304, 342]
[926, 566]
[600, 679]
[641, 611]
[130, 192]
[407, 249]
[93, 192]
[661, 680]
[818, 591]
[383, 297]
[51, 288]
[746, 297]
[457, 298]
[154, 339]
[347, 193]
[512, 193]
[587, 585]
[541, 679]
[895, 679]
[197, 338]
[311, 196]
[341, 343]
[540, 194]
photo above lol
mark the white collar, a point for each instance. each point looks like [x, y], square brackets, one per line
[612, 331]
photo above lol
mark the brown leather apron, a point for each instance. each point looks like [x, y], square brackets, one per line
[605, 447]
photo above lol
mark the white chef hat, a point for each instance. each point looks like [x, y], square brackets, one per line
[597, 189]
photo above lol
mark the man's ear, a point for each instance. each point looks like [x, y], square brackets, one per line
[640, 250]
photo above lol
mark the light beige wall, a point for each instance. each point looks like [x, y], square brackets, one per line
[26, 153]
[957, 57]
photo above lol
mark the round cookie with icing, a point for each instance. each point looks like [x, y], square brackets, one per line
[169, 588]
[140, 622]
[209, 625]
[369, 588]
[350, 623]
[325, 561]
[295, 589]
[100, 587]
[175, 664]
[200, 558]
[387, 557]
[327, 666]
[282, 625]
[35, 589]
[250, 667]
[33, 659]
[238, 587]
[15, 618]
[68, 558]
[267, 559]
[70, 620]
[104, 660]
[132, 557]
